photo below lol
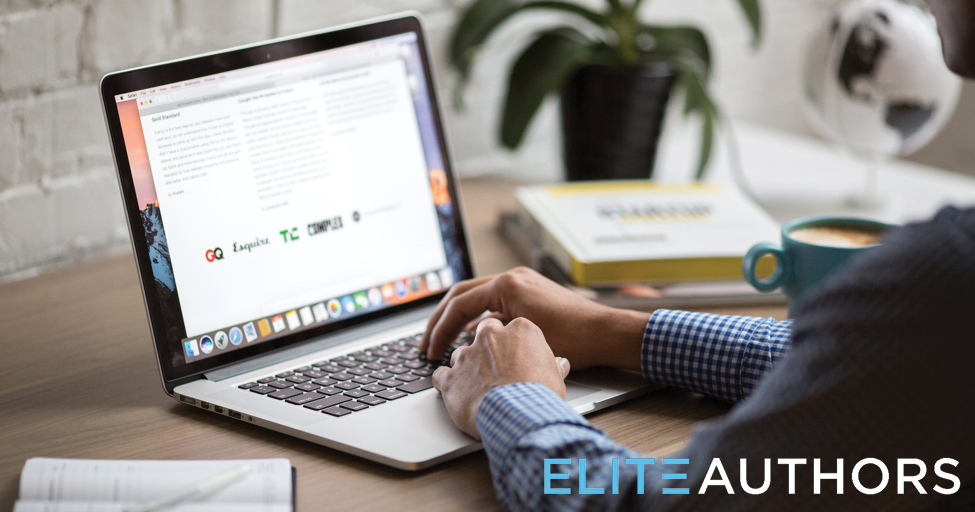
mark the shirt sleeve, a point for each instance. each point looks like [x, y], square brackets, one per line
[522, 425]
[720, 356]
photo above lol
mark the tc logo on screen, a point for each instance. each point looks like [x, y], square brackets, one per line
[214, 254]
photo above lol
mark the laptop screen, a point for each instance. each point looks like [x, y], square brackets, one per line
[283, 197]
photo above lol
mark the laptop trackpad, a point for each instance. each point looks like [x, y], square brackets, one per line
[575, 391]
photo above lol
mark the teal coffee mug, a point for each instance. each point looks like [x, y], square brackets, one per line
[812, 249]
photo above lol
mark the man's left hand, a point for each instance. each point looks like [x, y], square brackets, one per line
[500, 355]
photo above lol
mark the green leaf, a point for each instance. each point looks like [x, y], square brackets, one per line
[484, 16]
[672, 42]
[753, 13]
[544, 67]
[697, 101]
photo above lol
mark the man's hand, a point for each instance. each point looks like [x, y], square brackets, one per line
[586, 333]
[498, 356]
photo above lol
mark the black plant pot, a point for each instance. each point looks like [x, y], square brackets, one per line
[611, 121]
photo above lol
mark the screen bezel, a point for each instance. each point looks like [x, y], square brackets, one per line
[115, 84]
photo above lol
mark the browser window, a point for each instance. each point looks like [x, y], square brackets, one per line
[290, 194]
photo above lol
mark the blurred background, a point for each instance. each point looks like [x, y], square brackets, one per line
[59, 200]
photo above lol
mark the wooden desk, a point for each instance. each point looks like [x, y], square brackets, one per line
[78, 379]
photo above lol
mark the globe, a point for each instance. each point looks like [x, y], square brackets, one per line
[875, 79]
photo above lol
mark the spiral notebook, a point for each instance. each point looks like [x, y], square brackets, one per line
[80, 485]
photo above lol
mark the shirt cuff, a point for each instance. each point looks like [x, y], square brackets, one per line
[508, 413]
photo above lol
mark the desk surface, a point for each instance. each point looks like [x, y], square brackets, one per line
[78, 379]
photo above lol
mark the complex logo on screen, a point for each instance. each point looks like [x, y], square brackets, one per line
[214, 254]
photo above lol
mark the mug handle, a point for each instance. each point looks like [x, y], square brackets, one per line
[750, 263]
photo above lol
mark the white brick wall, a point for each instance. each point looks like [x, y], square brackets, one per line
[58, 196]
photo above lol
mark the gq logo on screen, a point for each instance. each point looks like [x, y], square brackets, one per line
[717, 477]
[214, 254]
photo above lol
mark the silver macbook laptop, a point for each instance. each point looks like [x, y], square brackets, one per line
[295, 220]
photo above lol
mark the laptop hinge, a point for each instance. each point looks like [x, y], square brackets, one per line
[322, 343]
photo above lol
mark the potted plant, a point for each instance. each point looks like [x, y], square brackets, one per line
[615, 77]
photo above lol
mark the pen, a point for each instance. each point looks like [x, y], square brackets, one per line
[195, 491]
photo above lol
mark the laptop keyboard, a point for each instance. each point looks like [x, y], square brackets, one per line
[357, 381]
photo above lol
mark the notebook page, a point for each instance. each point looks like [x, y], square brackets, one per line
[101, 506]
[128, 481]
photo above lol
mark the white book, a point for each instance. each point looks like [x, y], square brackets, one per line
[639, 231]
[79, 485]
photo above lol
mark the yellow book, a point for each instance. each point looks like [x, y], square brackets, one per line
[638, 231]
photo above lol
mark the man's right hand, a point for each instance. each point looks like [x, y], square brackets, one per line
[584, 332]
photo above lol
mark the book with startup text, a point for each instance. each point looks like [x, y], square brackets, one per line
[639, 231]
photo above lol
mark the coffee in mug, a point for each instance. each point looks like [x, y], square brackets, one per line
[834, 236]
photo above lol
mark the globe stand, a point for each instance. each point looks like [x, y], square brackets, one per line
[869, 199]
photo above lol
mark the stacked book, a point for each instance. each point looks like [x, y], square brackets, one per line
[643, 245]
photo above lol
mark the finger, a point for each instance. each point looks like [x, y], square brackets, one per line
[471, 326]
[455, 355]
[564, 366]
[486, 323]
[461, 309]
[439, 376]
[457, 289]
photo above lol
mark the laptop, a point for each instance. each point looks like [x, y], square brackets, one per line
[295, 220]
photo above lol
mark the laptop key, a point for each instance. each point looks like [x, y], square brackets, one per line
[282, 394]
[409, 355]
[280, 384]
[363, 380]
[341, 376]
[308, 386]
[320, 364]
[336, 411]
[415, 364]
[391, 383]
[423, 372]
[381, 353]
[324, 403]
[302, 369]
[356, 393]
[372, 400]
[376, 366]
[262, 390]
[304, 399]
[298, 379]
[349, 363]
[397, 370]
[315, 374]
[283, 375]
[359, 371]
[391, 394]
[330, 368]
[346, 385]
[248, 385]
[407, 377]
[329, 390]
[374, 388]
[265, 380]
[366, 358]
[417, 386]
[391, 360]
[324, 382]
[354, 406]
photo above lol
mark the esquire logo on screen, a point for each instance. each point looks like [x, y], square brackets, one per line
[907, 474]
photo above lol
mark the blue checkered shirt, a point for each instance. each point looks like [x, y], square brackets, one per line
[720, 356]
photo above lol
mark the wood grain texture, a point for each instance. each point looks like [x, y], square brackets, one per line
[78, 379]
